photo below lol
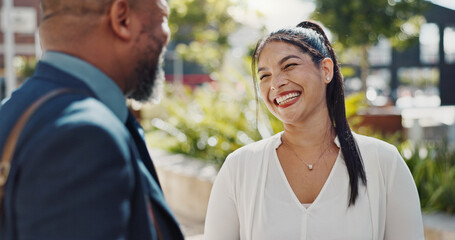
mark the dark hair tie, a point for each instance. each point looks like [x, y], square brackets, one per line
[318, 29]
[312, 25]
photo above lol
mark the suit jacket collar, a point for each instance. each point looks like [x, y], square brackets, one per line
[104, 88]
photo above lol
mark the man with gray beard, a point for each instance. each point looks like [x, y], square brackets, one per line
[74, 164]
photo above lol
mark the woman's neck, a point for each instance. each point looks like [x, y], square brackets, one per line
[313, 132]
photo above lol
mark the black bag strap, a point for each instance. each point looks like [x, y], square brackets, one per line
[11, 141]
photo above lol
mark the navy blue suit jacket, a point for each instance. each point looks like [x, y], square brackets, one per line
[78, 172]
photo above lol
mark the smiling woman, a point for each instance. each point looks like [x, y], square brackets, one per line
[316, 179]
[300, 97]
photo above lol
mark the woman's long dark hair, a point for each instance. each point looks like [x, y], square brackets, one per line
[311, 39]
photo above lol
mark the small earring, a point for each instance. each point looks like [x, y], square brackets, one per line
[328, 78]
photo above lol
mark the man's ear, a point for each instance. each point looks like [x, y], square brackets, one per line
[327, 70]
[120, 19]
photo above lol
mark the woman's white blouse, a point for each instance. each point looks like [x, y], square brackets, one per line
[252, 199]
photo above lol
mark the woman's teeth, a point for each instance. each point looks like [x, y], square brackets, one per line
[286, 98]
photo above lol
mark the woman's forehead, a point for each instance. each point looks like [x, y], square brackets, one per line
[275, 51]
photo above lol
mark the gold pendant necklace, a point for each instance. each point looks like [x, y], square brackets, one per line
[310, 166]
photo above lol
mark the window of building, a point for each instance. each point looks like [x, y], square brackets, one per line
[418, 87]
[378, 87]
[449, 45]
[381, 53]
[429, 43]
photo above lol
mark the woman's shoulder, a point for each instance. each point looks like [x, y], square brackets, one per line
[253, 152]
[379, 151]
[367, 143]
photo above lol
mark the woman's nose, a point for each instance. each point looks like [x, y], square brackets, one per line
[278, 82]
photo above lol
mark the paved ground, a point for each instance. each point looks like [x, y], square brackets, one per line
[192, 230]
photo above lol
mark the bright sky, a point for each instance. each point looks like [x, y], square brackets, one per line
[445, 3]
[283, 13]
[275, 13]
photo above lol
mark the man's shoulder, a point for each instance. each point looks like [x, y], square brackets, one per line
[75, 124]
[75, 113]
[68, 113]
[81, 110]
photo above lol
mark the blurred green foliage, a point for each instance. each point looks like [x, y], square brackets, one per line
[207, 122]
[362, 22]
[24, 67]
[200, 29]
[419, 80]
[433, 168]
[348, 72]
[432, 164]
[359, 24]
[355, 103]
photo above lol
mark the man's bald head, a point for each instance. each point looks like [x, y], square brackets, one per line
[66, 21]
[52, 8]
[123, 38]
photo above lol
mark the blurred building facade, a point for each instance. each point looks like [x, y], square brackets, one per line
[423, 75]
[436, 50]
[26, 14]
[184, 72]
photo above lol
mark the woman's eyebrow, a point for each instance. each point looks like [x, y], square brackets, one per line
[284, 59]
[287, 58]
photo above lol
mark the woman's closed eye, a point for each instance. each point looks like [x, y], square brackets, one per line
[264, 76]
[289, 66]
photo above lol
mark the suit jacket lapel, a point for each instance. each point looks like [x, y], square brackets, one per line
[158, 210]
[138, 135]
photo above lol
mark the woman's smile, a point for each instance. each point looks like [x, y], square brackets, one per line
[286, 99]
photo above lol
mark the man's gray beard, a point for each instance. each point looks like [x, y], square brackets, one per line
[150, 75]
